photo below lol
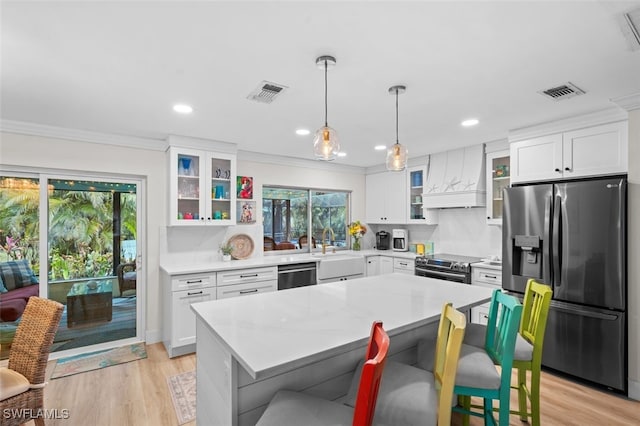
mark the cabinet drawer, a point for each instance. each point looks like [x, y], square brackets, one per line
[488, 276]
[404, 265]
[246, 289]
[480, 314]
[252, 275]
[191, 281]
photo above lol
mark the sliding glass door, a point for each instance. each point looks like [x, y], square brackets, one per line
[79, 236]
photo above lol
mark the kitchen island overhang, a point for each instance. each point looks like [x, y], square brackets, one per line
[308, 338]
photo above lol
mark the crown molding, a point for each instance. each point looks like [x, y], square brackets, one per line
[609, 115]
[280, 160]
[199, 143]
[33, 129]
[628, 102]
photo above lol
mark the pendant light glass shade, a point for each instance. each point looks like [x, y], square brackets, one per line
[325, 142]
[397, 158]
[397, 154]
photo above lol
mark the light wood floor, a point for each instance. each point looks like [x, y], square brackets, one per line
[137, 394]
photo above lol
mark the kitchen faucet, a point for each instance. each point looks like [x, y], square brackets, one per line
[324, 236]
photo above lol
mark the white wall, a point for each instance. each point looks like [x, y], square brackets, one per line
[633, 254]
[49, 153]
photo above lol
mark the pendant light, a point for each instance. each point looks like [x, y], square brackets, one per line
[397, 154]
[325, 142]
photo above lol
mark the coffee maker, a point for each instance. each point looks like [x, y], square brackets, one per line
[400, 238]
[383, 240]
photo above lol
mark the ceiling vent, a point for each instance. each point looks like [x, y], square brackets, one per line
[630, 25]
[565, 91]
[266, 92]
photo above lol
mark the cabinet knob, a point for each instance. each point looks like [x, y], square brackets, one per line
[558, 170]
[567, 169]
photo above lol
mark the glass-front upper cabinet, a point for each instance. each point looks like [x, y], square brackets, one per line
[416, 177]
[498, 178]
[202, 189]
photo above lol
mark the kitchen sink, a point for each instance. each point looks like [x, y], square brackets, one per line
[333, 265]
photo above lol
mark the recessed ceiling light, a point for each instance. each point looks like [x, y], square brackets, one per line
[183, 108]
[342, 154]
[470, 122]
[380, 147]
[303, 132]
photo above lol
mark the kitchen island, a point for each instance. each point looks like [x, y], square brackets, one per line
[309, 338]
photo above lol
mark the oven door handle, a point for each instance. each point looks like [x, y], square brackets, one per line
[443, 274]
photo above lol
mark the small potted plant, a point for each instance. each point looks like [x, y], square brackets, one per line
[226, 250]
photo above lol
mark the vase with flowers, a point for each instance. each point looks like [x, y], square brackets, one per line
[357, 231]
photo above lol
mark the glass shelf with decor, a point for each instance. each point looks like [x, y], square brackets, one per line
[498, 178]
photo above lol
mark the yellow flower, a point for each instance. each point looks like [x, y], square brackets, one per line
[356, 229]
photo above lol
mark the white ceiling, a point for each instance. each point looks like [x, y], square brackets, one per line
[118, 67]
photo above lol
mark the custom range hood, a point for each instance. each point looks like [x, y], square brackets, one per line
[456, 179]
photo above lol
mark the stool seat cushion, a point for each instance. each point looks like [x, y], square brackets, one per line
[475, 336]
[475, 367]
[407, 396]
[296, 408]
[130, 276]
[12, 383]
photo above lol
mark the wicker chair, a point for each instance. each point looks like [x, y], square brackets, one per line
[22, 383]
[269, 244]
[126, 273]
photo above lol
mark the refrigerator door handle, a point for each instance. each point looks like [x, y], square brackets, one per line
[586, 313]
[556, 244]
[546, 245]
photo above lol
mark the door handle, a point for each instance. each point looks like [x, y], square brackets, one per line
[557, 243]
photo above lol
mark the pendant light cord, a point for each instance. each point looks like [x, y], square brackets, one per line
[325, 94]
[397, 140]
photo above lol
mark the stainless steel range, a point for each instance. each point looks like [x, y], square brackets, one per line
[446, 266]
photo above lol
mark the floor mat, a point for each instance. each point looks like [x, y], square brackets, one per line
[183, 395]
[100, 359]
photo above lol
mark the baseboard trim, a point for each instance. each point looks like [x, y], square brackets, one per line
[153, 336]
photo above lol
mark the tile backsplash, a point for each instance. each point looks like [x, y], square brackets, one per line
[459, 231]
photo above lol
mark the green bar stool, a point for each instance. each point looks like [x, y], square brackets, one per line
[477, 374]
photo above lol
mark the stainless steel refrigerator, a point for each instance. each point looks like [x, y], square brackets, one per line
[572, 236]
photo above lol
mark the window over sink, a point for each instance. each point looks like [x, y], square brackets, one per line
[294, 219]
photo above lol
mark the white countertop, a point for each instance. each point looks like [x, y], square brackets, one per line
[177, 268]
[273, 332]
[489, 264]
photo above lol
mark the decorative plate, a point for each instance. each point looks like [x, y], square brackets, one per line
[242, 246]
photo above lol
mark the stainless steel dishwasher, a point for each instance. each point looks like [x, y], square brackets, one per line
[296, 275]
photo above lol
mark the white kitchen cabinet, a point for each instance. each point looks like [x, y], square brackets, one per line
[378, 265]
[404, 266]
[416, 213]
[592, 151]
[386, 197]
[180, 292]
[498, 178]
[244, 282]
[202, 189]
[485, 275]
